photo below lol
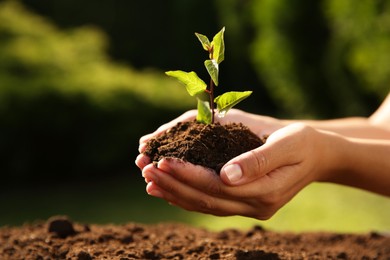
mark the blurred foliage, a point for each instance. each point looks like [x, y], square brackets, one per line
[160, 34]
[361, 31]
[36, 56]
[306, 58]
[65, 107]
[325, 58]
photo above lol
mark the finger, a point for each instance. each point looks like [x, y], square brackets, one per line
[142, 160]
[260, 199]
[196, 176]
[209, 182]
[187, 116]
[259, 125]
[164, 186]
[279, 150]
[236, 116]
[143, 140]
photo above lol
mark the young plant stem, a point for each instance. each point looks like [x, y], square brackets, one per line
[211, 89]
[211, 94]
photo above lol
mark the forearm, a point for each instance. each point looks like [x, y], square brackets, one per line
[377, 126]
[351, 127]
[361, 163]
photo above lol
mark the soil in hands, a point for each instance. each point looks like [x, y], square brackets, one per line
[60, 238]
[210, 145]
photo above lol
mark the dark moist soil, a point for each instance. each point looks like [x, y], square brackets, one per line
[210, 145]
[60, 238]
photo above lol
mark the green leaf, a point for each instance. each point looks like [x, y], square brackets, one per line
[193, 83]
[212, 69]
[204, 41]
[229, 99]
[218, 45]
[204, 113]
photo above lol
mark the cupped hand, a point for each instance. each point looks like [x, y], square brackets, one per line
[260, 125]
[255, 184]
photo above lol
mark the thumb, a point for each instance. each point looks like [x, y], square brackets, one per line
[278, 151]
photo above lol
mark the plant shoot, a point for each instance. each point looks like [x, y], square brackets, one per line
[204, 93]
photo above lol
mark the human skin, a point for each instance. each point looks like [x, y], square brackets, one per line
[352, 151]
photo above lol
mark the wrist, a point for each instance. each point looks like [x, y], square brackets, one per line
[335, 162]
[360, 163]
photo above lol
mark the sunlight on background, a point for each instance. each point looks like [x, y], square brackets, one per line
[325, 207]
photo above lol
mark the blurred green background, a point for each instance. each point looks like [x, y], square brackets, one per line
[81, 81]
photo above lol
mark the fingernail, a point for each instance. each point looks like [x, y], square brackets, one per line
[233, 172]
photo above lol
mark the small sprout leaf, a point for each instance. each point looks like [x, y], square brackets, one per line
[204, 114]
[193, 83]
[213, 69]
[218, 45]
[204, 41]
[229, 99]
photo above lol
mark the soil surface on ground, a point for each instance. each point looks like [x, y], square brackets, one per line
[60, 238]
[210, 145]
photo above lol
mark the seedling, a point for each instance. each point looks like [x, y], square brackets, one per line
[204, 93]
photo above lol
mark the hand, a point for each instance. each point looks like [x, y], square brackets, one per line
[255, 184]
[260, 125]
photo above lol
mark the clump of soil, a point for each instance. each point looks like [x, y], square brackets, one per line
[60, 238]
[210, 145]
